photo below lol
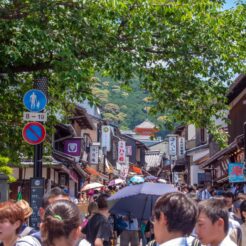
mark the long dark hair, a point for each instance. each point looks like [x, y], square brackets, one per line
[243, 209]
[60, 218]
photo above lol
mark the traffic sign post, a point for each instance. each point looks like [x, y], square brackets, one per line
[34, 133]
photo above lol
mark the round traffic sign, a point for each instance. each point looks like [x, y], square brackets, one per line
[34, 133]
[35, 100]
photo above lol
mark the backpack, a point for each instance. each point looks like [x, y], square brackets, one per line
[32, 240]
[120, 225]
[239, 236]
[27, 231]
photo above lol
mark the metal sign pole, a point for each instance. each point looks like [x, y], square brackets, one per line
[42, 85]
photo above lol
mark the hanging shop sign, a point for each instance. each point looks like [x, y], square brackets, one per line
[106, 138]
[129, 150]
[72, 146]
[121, 151]
[236, 172]
[181, 146]
[94, 154]
[172, 145]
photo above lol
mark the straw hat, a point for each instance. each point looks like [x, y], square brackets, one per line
[26, 208]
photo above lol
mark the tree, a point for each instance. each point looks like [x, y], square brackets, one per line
[111, 111]
[5, 169]
[184, 53]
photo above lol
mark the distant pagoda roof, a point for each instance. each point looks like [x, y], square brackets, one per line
[146, 128]
[146, 125]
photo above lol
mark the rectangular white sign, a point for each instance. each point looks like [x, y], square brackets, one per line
[121, 151]
[172, 146]
[129, 150]
[94, 153]
[34, 116]
[106, 138]
[123, 169]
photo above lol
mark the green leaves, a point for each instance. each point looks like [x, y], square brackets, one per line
[5, 169]
[183, 52]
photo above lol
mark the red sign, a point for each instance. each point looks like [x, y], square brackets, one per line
[34, 133]
[121, 151]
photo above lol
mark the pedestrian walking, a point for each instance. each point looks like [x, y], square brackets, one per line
[238, 235]
[49, 197]
[130, 234]
[25, 228]
[174, 218]
[213, 223]
[11, 219]
[98, 230]
[61, 224]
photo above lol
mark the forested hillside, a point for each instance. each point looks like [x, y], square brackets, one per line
[125, 106]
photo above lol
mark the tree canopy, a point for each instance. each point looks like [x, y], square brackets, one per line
[184, 53]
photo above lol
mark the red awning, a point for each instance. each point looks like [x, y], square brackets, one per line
[92, 171]
[136, 169]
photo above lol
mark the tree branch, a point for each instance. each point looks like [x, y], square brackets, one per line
[26, 68]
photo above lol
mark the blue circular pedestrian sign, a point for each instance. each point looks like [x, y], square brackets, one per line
[34, 133]
[35, 100]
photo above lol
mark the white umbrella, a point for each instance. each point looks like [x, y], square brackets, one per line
[91, 186]
[116, 182]
[162, 181]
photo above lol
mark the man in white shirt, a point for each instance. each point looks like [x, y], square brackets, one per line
[205, 194]
[174, 218]
[213, 223]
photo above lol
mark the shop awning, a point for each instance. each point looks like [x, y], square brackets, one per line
[136, 169]
[152, 159]
[231, 148]
[92, 171]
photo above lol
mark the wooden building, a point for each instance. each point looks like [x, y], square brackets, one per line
[217, 164]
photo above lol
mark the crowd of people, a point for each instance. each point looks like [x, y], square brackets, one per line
[192, 216]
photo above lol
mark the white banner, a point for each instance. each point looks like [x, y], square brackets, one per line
[121, 151]
[106, 138]
[94, 153]
[124, 169]
[129, 150]
[172, 146]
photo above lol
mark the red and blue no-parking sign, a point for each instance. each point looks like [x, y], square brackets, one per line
[34, 133]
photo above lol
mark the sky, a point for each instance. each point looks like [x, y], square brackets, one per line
[231, 3]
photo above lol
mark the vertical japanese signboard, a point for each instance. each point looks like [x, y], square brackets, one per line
[181, 146]
[37, 193]
[106, 138]
[121, 151]
[94, 153]
[172, 145]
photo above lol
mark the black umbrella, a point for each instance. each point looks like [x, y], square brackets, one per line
[137, 201]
